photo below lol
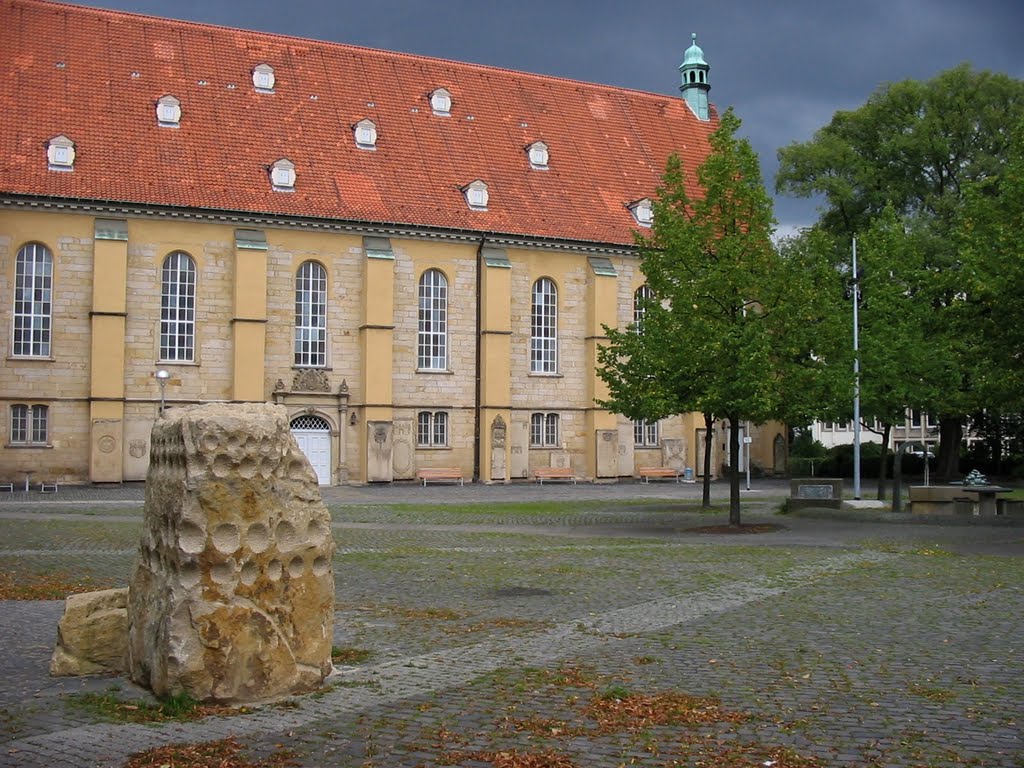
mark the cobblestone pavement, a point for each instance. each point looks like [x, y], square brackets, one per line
[496, 628]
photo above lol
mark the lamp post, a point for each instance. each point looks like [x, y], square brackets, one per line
[161, 377]
[856, 378]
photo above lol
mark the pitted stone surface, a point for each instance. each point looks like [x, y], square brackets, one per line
[212, 612]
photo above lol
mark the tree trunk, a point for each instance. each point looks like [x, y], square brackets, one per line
[883, 468]
[734, 471]
[951, 434]
[709, 443]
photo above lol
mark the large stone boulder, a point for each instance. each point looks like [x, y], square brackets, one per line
[92, 634]
[232, 599]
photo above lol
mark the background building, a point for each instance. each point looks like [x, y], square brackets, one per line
[415, 256]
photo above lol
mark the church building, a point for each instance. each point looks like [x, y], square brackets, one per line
[416, 257]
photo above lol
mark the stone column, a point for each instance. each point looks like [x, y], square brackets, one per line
[232, 598]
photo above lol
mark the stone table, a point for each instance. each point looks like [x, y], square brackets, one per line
[986, 497]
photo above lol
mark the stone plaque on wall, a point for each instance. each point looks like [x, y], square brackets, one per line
[607, 452]
[673, 452]
[106, 454]
[627, 457]
[519, 453]
[378, 452]
[135, 450]
[498, 442]
[560, 460]
[403, 455]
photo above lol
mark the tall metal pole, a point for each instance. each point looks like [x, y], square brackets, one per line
[856, 378]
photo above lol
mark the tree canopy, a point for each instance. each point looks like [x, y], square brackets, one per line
[732, 326]
[900, 172]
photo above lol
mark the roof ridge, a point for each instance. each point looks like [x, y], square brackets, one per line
[335, 44]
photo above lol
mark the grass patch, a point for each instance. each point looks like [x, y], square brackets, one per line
[108, 707]
[55, 585]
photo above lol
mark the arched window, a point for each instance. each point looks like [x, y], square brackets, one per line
[544, 430]
[311, 315]
[640, 298]
[33, 289]
[432, 429]
[178, 308]
[432, 339]
[645, 433]
[544, 327]
[29, 424]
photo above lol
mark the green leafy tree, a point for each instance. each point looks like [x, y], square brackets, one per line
[915, 148]
[734, 328]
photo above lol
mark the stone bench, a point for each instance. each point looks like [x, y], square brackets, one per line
[554, 473]
[48, 487]
[661, 473]
[440, 474]
[5, 486]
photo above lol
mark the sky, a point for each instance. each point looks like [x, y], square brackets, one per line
[784, 66]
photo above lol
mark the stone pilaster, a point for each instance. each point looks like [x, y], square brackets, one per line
[107, 359]
[249, 319]
[601, 426]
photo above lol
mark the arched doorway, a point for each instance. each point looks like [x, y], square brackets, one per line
[313, 434]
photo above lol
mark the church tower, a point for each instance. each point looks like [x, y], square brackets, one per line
[695, 85]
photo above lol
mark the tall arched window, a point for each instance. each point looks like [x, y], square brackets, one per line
[33, 288]
[311, 315]
[178, 308]
[432, 339]
[544, 327]
[640, 298]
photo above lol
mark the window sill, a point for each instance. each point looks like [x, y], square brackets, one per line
[441, 371]
[168, 363]
[30, 359]
[545, 447]
[541, 375]
[44, 446]
[433, 447]
[312, 368]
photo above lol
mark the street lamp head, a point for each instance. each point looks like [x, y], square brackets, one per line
[163, 375]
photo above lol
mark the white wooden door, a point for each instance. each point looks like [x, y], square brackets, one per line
[313, 434]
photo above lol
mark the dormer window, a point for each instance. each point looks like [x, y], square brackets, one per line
[476, 195]
[441, 102]
[366, 134]
[168, 112]
[60, 153]
[263, 78]
[282, 175]
[538, 154]
[643, 212]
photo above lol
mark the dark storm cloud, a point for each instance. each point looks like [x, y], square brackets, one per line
[785, 66]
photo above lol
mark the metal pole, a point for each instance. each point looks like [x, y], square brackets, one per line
[856, 378]
[746, 444]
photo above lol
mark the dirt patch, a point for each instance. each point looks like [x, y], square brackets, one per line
[737, 529]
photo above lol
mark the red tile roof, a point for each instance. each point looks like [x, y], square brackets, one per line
[95, 76]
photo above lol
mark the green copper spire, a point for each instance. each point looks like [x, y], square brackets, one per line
[695, 85]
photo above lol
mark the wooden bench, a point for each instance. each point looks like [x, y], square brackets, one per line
[554, 473]
[440, 474]
[660, 473]
[7, 487]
